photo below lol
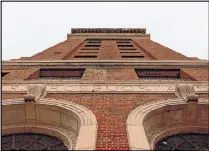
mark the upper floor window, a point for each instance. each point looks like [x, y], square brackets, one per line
[160, 74]
[58, 74]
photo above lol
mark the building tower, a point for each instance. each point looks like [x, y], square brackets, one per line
[105, 89]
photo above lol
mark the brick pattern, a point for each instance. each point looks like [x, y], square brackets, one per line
[111, 111]
[19, 74]
[53, 52]
[199, 74]
[109, 74]
[159, 51]
[109, 50]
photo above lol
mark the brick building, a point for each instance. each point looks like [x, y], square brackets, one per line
[105, 89]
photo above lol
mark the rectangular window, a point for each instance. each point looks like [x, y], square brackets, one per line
[58, 74]
[132, 56]
[89, 48]
[94, 42]
[162, 75]
[57, 53]
[130, 48]
[125, 45]
[85, 56]
[91, 45]
[157, 73]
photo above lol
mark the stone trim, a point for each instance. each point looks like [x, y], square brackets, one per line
[106, 63]
[111, 36]
[136, 126]
[104, 88]
[79, 131]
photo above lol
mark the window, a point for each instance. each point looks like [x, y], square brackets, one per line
[125, 45]
[129, 48]
[85, 48]
[184, 141]
[58, 74]
[90, 49]
[57, 53]
[131, 56]
[96, 42]
[85, 56]
[32, 141]
[92, 45]
[160, 74]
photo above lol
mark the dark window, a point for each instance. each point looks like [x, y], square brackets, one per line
[57, 74]
[127, 48]
[96, 42]
[31, 141]
[89, 48]
[57, 53]
[161, 74]
[185, 141]
[171, 73]
[132, 56]
[125, 45]
[90, 45]
[4, 73]
[85, 56]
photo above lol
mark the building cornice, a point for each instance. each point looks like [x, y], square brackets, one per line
[108, 36]
[104, 88]
[107, 63]
[108, 30]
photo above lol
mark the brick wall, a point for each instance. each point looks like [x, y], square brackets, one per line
[199, 74]
[19, 74]
[159, 51]
[111, 111]
[109, 74]
[64, 47]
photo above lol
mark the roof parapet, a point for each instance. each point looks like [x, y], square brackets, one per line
[108, 30]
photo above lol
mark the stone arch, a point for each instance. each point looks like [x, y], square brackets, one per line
[155, 120]
[72, 123]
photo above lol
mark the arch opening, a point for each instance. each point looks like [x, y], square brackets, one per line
[68, 121]
[157, 120]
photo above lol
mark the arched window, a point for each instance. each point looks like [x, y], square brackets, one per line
[184, 141]
[31, 141]
[160, 124]
[67, 123]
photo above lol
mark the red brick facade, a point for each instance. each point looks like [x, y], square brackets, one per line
[111, 109]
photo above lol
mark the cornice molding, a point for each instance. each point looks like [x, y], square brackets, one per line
[109, 36]
[106, 63]
[108, 30]
[104, 88]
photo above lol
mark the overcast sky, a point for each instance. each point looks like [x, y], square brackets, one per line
[31, 27]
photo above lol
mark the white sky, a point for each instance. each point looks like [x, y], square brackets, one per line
[30, 27]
